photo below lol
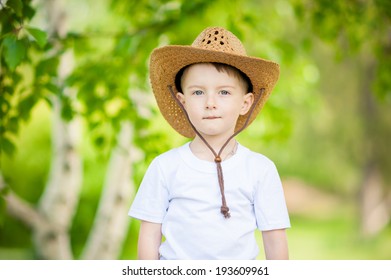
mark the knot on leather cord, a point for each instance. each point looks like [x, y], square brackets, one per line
[217, 159]
[225, 211]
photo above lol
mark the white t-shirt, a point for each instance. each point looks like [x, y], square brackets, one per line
[182, 192]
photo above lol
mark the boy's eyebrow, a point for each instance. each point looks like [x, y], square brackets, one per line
[227, 86]
[197, 86]
[194, 86]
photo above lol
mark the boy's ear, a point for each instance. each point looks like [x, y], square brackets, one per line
[248, 101]
[181, 97]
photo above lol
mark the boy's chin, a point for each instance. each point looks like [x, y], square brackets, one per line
[215, 133]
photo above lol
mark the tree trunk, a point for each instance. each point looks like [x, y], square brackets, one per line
[59, 200]
[111, 222]
[374, 202]
[375, 211]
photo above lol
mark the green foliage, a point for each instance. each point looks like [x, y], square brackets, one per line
[355, 26]
[19, 44]
[360, 29]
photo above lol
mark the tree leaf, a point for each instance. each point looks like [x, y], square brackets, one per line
[16, 5]
[13, 125]
[14, 51]
[25, 106]
[39, 35]
[52, 88]
[7, 146]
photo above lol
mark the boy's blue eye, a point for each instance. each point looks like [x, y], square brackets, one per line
[198, 92]
[224, 92]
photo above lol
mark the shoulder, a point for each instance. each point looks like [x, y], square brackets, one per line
[168, 155]
[258, 167]
[168, 160]
[257, 160]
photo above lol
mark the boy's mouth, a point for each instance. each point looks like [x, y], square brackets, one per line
[211, 118]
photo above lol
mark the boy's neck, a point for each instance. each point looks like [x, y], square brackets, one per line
[199, 148]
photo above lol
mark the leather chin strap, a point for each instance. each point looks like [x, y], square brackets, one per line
[224, 208]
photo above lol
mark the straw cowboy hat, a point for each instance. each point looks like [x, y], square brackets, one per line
[214, 44]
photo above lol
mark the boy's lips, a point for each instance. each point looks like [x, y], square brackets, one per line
[211, 118]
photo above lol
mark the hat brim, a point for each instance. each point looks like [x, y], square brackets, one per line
[166, 62]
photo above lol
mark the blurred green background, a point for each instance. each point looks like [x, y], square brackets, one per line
[79, 124]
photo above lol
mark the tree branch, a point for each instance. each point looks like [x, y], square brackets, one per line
[19, 208]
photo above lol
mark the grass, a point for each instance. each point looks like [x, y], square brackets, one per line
[336, 238]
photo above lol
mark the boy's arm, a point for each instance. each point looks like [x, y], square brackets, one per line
[150, 237]
[275, 244]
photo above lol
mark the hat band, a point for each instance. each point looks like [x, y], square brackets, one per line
[224, 208]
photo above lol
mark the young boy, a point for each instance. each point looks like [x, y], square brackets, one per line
[209, 196]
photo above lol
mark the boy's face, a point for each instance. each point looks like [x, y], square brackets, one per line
[213, 100]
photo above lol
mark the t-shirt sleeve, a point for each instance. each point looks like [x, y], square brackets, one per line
[151, 201]
[269, 203]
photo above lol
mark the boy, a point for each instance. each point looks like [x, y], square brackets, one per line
[210, 91]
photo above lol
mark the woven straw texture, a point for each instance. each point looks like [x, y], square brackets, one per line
[214, 44]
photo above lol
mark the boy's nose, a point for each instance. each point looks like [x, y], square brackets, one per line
[210, 102]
